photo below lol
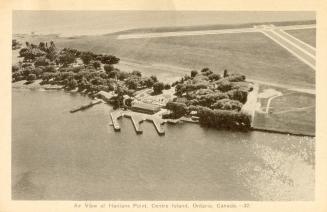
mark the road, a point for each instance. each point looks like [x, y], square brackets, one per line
[209, 32]
[298, 48]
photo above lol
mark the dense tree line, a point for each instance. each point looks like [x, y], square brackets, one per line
[94, 73]
[218, 99]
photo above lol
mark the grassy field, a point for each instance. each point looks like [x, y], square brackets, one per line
[306, 35]
[251, 54]
[292, 112]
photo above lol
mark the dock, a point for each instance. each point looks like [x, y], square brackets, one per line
[114, 118]
[84, 107]
[136, 122]
[137, 119]
[157, 124]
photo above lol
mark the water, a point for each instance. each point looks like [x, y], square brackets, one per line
[57, 155]
[100, 22]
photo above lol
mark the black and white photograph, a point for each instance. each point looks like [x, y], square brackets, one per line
[174, 105]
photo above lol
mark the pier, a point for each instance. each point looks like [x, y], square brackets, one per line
[157, 124]
[114, 118]
[136, 120]
[84, 107]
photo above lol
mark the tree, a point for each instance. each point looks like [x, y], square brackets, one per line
[15, 44]
[29, 54]
[86, 57]
[132, 82]
[167, 86]
[41, 61]
[180, 89]
[109, 59]
[194, 73]
[108, 68]
[50, 69]
[224, 85]
[72, 83]
[67, 58]
[96, 64]
[14, 68]
[236, 78]
[122, 75]
[226, 73]
[227, 104]
[154, 78]
[137, 73]
[214, 77]
[38, 71]
[31, 77]
[148, 82]
[206, 71]
[178, 109]
[158, 87]
[128, 102]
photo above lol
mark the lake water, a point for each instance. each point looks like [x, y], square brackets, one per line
[100, 22]
[57, 155]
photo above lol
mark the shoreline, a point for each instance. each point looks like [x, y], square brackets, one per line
[182, 120]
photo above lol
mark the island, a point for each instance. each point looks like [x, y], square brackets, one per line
[203, 96]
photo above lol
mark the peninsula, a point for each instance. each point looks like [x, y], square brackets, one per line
[213, 100]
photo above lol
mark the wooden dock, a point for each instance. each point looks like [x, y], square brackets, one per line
[136, 122]
[84, 107]
[114, 118]
[137, 119]
[157, 124]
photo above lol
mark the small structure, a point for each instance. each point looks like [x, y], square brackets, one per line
[145, 108]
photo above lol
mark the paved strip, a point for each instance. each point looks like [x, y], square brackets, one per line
[293, 44]
[311, 26]
[296, 41]
[292, 48]
[288, 87]
[207, 32]
[185, 33]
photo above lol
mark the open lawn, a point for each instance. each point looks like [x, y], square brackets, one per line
[306, 35]
[251, 54]
[292, 112]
